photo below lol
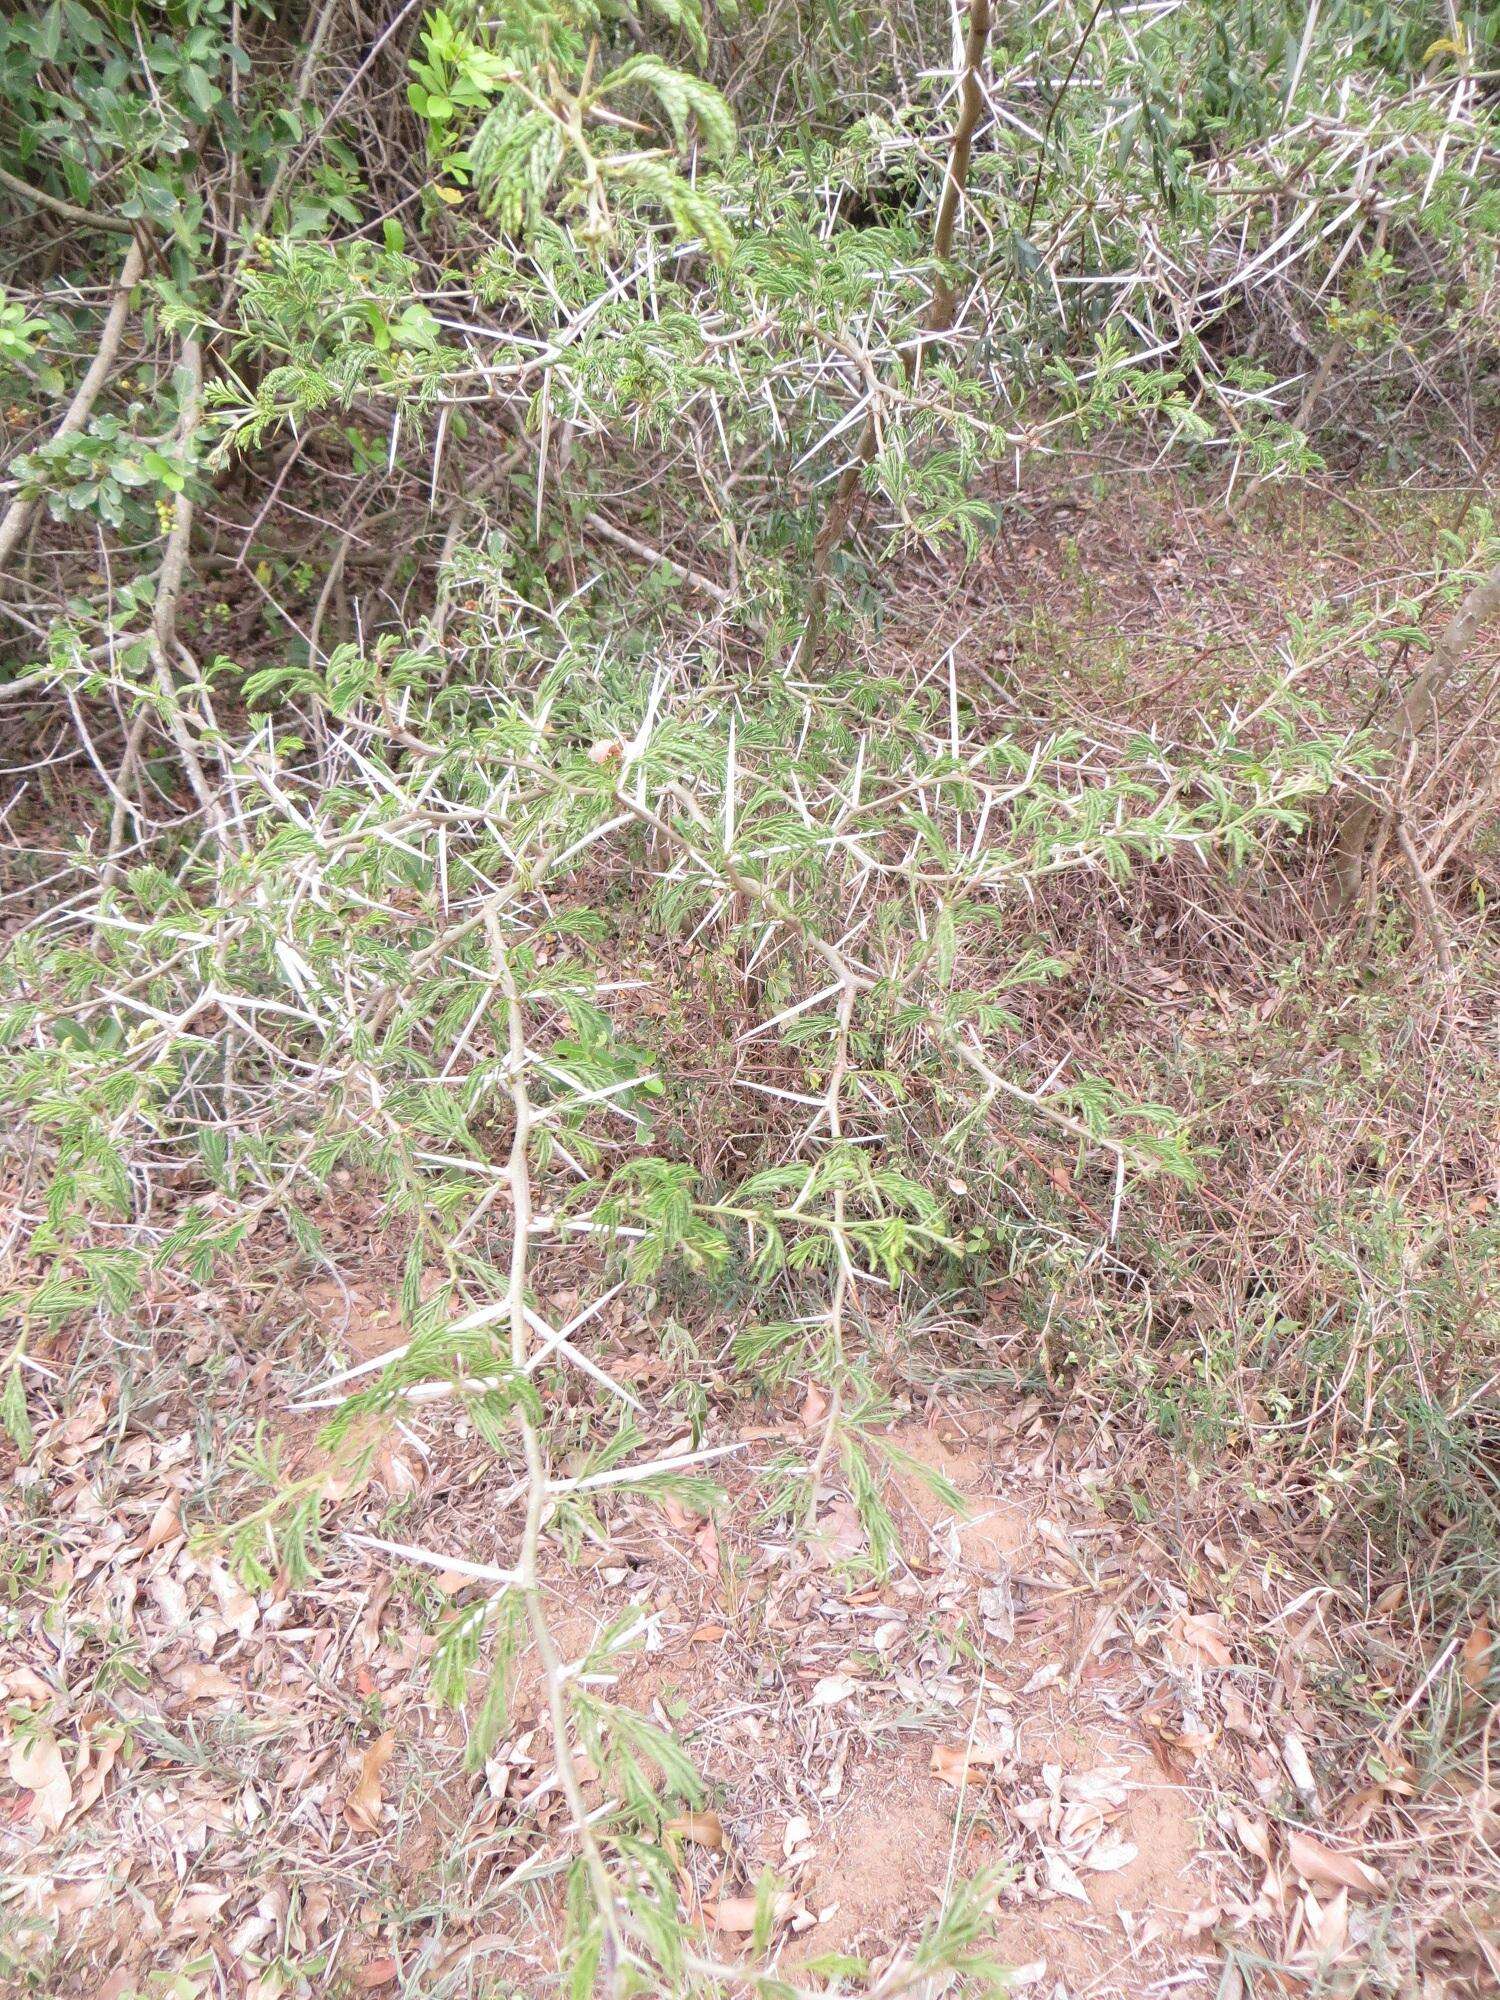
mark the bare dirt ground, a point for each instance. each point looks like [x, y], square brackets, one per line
[260, 1791]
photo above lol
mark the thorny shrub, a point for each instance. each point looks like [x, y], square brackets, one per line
[398, 848]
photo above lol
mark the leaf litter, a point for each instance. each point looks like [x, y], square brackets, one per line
[1029, 1690]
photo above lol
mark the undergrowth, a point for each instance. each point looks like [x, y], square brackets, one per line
[465, 769]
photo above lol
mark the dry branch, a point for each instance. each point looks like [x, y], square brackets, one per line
[1419, 713]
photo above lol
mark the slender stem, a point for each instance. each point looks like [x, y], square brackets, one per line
[69, 210]
[163, 641]
[1052, 110]
[971, 110]
[519, 1175]
[844, 1276]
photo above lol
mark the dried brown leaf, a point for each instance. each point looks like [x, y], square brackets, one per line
[93, 1777]
[364, 1805]
[237, 1606]
[1299, 1769]
[1044, 1677]
[955, 1763]
[375, 1972]
[36, 1763]
[737, 1913]
[1109, 1854]
[166, 1524]
[1061, 1879]
[1328, 1924]
[838, 1533]
[703, 1829]
[1326, 1865]
[1477, 1657]
[1202, 1633]
[201, 1681]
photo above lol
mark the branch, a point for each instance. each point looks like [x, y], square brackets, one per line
[519, 1175]
[163, 636]
[69, 210]
[610, 533]
[18, 514]
[1052, 109]
[971, 109]
[1418, 707]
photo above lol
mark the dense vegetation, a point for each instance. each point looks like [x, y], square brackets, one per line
[466, 473]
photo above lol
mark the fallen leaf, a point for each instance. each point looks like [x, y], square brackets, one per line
[170, 1599]
[703, 1829]
[196, 1911]
[85, 1426]
[1254, 1837]
[166, 1524]
[833, 1784]
[706, 1548]
[1061, 1879]
[1299, 1769]
[1082, 1823]
[954, 1763]
[838, 1533]
[1477, 1657]
[1166, 1744]
[997, 1609]
[200, 1681]
[237, 1605]
[375, 1972]
[1328, 1924]
[398, 1469]
[737, 1913]
[37, 1764]
[1237, 1716]
[814, 1407]
[1106, 1784]
[93, 1777]
[1202, 1633]
[71, 1899]
[706, 1635]
[22, 1684]
[833, 1689]
[364, 1805]
[1317, 1863]
[1044, 1677]
[1109, 1853]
